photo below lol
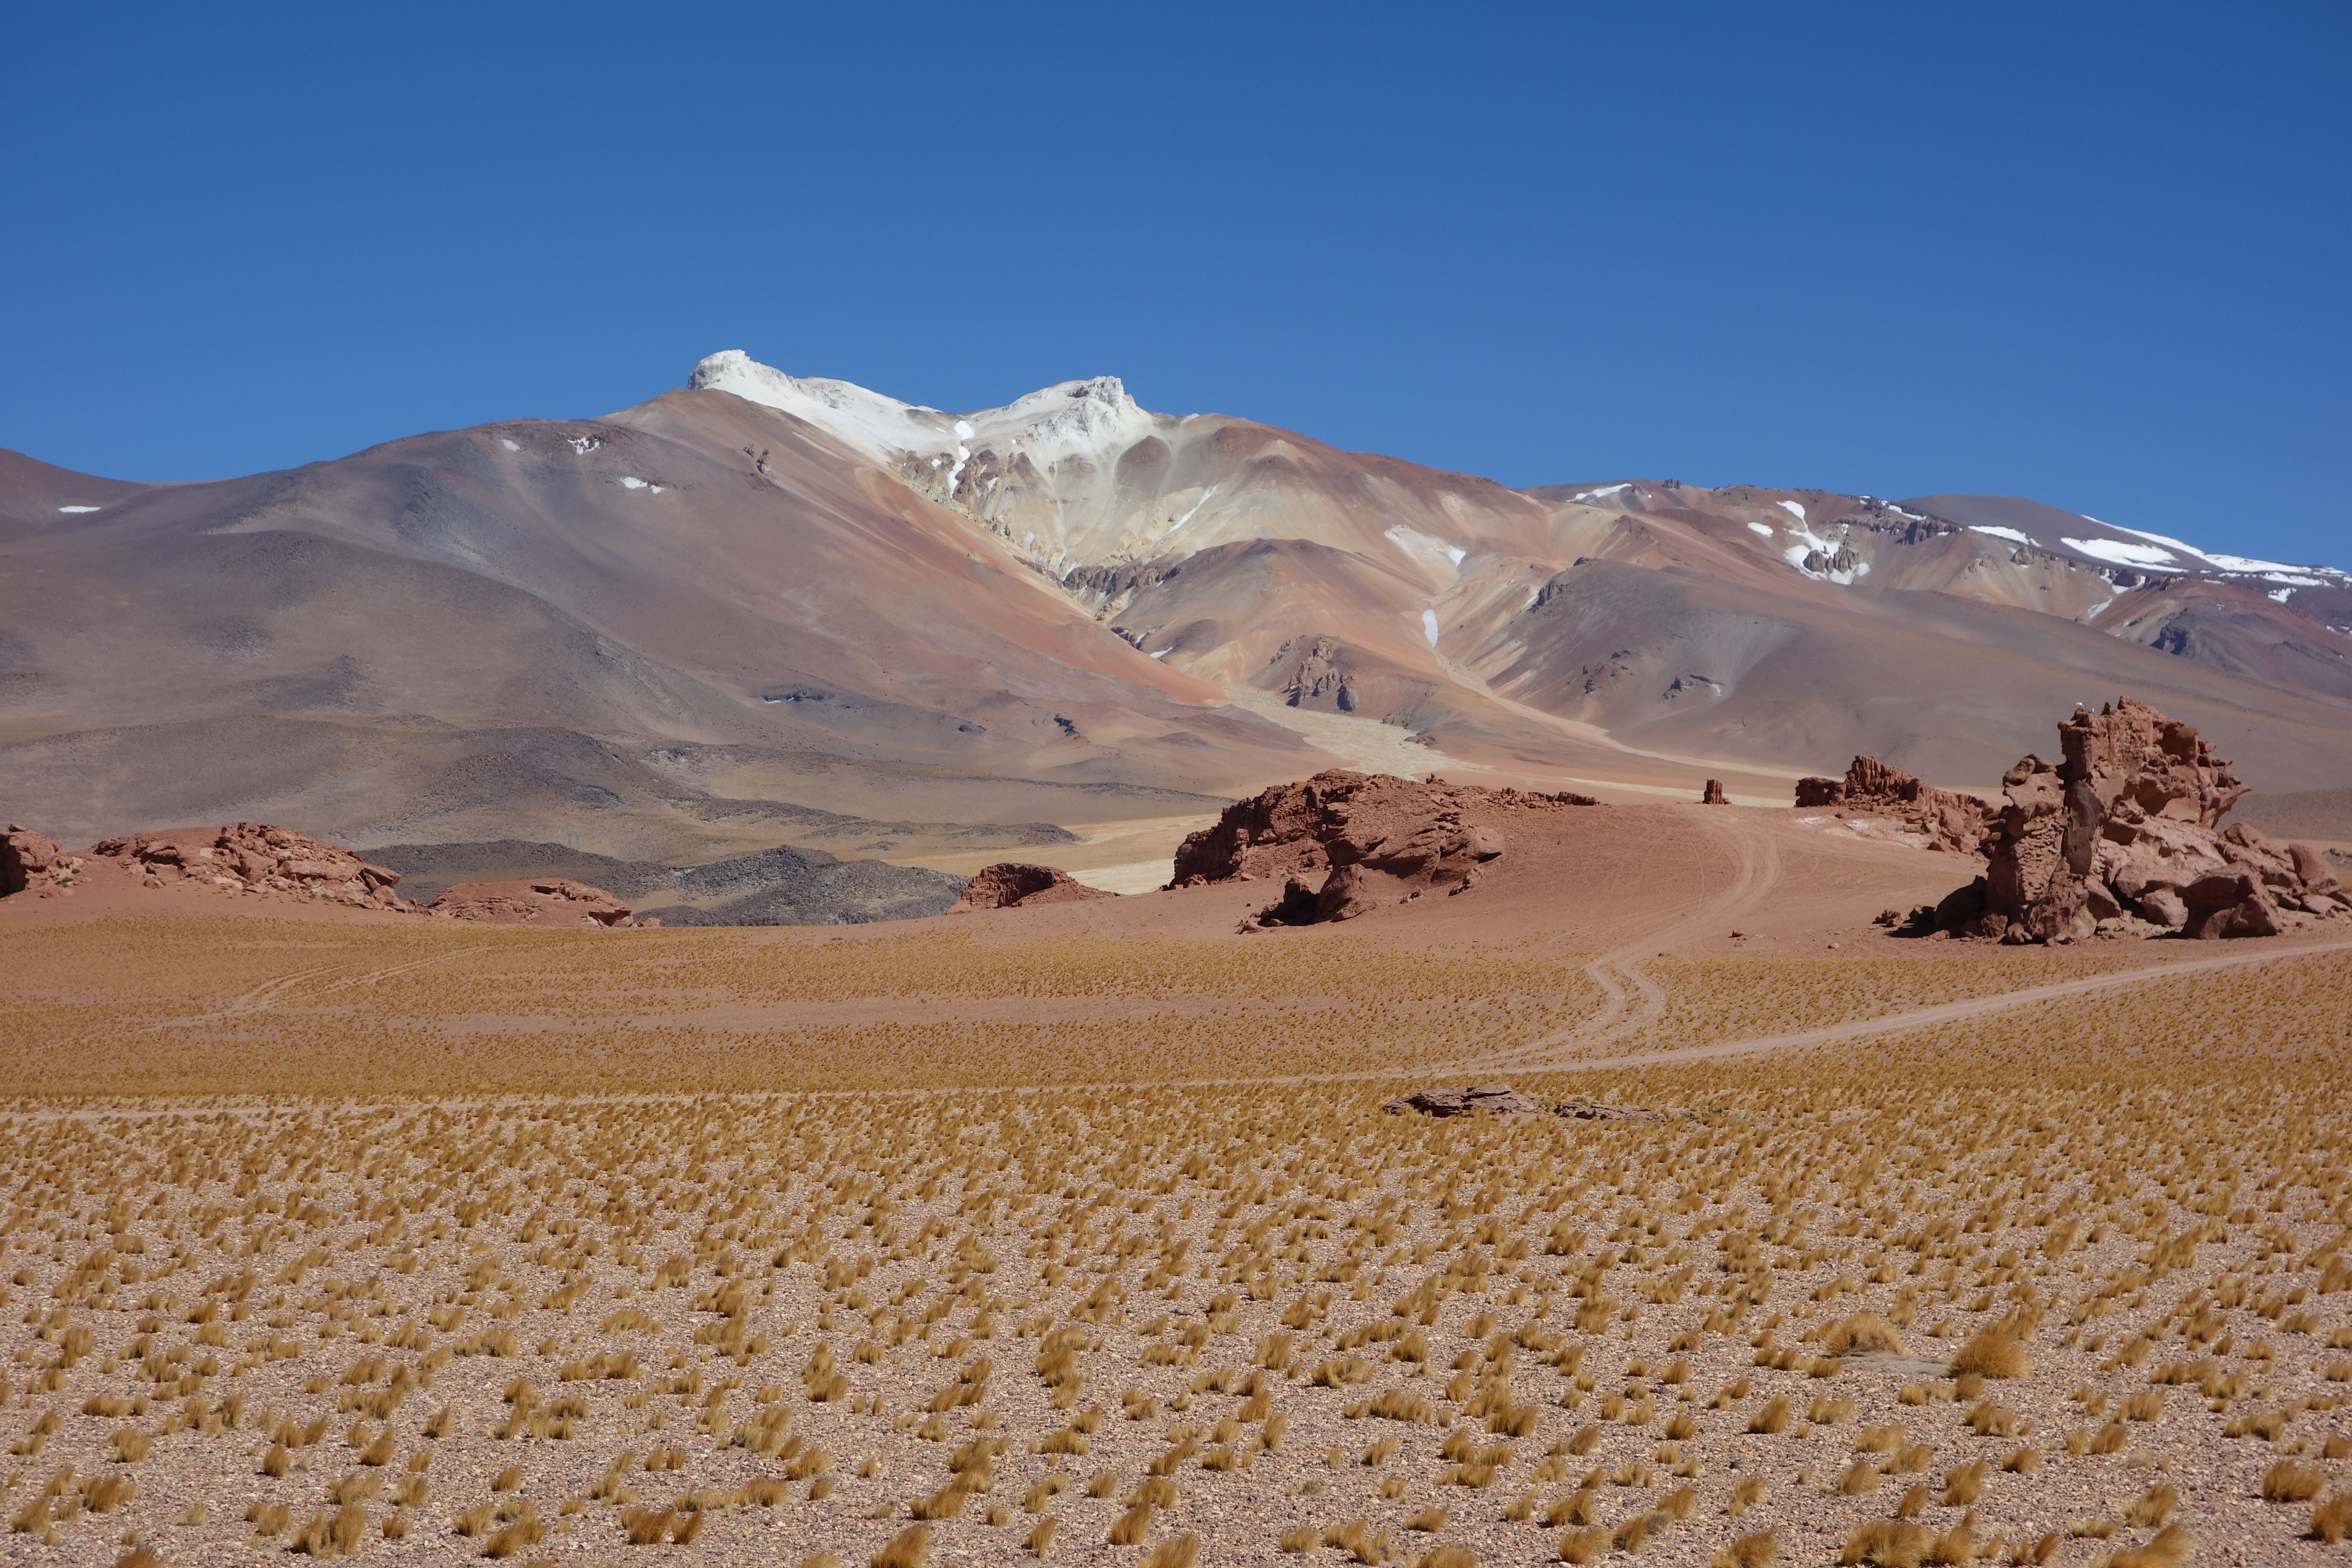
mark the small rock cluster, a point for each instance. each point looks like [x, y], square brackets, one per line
[1502, 1099]
[2123, 837]
[256, 855]
[1010, 885]
[540, 901]
[1954, 821]
[1373, 838]
[1496, 1099]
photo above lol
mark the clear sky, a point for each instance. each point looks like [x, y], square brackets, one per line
[2096, 255]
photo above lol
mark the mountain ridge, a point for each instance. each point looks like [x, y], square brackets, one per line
[709, 621]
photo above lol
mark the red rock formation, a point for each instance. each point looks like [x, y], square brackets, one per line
[1374, 838]
[2127, 822]
[1009, 885]
[27, 858]
[1713, 794]
[254, 855]
[1951, 821]
[542, 901]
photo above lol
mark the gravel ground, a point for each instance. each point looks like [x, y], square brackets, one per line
[387, 1277]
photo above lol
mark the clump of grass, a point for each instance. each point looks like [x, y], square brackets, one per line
[1859, 1332]
[2289, 1481]
[2169, 1548]
[1758, 1549]
[1998, 1350]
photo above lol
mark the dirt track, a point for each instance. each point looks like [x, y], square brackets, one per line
[1949, 1012]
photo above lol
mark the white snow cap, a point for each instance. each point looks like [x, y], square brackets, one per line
[1092, 419]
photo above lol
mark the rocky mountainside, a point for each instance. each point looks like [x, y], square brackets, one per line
[781, 885]
[762, 608]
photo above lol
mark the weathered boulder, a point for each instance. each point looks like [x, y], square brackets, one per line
[541, 900]
[1373, 838]
[2126, 830]
[2311, 865]
[254, 855]
[1950, 820]
[1497, 1098]
[1010, 886]
[26, 858]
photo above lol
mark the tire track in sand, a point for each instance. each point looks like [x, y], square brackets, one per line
[1634, 1000]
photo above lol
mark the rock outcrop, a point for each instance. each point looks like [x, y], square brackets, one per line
[29, 858]
[1011, 886]
[1713, 794]
[541, 902]
[1959, 823]
[1496, 1099]
[2124, 835]
[1371, 839]
[254, 855]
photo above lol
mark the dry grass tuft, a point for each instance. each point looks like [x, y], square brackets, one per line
[2170, 1548]
[910, 1548]
[2288, 1481]
[1758, 1549]
[1998, 1350]
[1860, 1332]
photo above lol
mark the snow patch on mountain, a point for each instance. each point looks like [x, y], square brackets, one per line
[1193, 512]
[2114, 551]
[1794, 510]
[2015, 536]
[1433, 553]
[1092, 421]
[1429, 626]
[865, 421]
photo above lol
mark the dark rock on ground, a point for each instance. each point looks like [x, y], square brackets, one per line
[1578, 1107]
[1497, 1098]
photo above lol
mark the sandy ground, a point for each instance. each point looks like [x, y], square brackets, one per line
[1109, 1184]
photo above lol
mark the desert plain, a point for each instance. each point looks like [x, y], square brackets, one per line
[1081, 1233]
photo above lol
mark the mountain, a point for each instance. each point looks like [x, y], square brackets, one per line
[763, 609]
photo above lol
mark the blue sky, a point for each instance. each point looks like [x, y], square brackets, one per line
[2096, 255]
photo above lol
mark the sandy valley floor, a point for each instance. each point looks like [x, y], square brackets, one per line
[1080, 1232]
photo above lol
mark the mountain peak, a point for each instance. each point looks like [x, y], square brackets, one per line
[1094, 418]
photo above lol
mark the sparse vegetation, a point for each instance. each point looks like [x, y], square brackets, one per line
[614, 1288]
